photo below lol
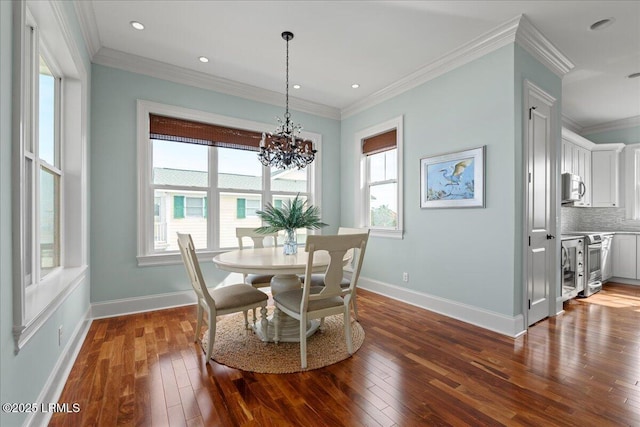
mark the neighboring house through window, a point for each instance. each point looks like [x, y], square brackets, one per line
[380, 186]
[205, 179]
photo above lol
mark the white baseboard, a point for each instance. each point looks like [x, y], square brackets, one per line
[124, 306]
[623, 281]
[500, 323]
[55, 383]
[119, 307]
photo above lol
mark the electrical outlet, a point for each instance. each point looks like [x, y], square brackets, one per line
[405, 277]
[59, 335]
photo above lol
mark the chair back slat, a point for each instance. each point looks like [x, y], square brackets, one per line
[337, 246]
[190, 259]
[257, 238]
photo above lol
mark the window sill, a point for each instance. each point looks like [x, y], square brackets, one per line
[42, 300]
[389, 234]
[173, 258]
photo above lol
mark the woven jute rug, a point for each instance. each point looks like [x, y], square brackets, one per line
[239, 348]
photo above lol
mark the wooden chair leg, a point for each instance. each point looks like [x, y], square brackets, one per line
[347, 328]
[246, 319]
[303, 341]
[355, 308]
[212, 335]
[199, 325]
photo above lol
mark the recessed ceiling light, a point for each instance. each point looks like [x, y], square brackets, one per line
[137, 25]
[602, 24]
[203, 59]
[355, 85]
[297, 86]
[633, 76]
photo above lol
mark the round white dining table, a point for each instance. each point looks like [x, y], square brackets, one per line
[285, 270]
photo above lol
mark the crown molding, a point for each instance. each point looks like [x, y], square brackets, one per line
[476, 48]
[162, 70]
[519, 30]
[534, 42]
[627, 123]
[571, 124]
[88, 26]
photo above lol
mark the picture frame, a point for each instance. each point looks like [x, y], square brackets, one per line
[453, 180]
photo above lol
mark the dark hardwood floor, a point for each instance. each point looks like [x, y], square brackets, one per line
[415, 368]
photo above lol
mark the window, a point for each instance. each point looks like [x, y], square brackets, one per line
[380, 185]
[49, 177]
[205, 179]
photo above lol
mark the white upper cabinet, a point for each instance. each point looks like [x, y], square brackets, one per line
[605, 160]
[576, 159]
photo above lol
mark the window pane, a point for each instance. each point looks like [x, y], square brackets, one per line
[237, 210]
[383, 205]
[293, 180]
[46, 119]
[179, 163]
[172, 217]
[383, 166]
[49, 218]
[239, 169]
[28, 222]
[194, 206]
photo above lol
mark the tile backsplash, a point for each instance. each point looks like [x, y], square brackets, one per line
[596, 219]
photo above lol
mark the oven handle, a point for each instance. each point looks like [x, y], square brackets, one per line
[564, 256]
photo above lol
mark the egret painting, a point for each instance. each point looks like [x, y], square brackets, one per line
[453, 180]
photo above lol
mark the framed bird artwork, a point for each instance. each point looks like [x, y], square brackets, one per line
[453, 180]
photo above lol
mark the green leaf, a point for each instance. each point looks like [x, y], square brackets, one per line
[292, 214]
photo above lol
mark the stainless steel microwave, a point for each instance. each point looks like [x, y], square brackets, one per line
[573, 188]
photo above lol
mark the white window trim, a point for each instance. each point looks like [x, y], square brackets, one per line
[34, 306]
[145, 255]
[361, 191]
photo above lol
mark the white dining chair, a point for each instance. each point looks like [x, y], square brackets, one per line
[258, 239]
[223, 300]
[318, 278]
[312, 302]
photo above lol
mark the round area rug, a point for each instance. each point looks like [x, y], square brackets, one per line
[239, 348]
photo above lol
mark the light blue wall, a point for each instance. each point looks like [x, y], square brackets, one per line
[464, 255]
[471, 256]
[115, 273]
[625, 136]
[23, 376]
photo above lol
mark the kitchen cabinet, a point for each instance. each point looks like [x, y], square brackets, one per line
[625, 250]
[604, 178]
[576, 159]
[607, 258]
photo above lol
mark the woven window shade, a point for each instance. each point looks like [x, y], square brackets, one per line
[379, 143]
[180, 130]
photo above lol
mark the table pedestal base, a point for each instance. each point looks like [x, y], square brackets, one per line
[289, 327]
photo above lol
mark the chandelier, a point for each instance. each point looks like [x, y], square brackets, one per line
[283, 148]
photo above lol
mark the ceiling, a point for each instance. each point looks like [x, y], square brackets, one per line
[372, 43]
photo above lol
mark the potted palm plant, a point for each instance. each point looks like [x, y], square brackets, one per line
[292, 215]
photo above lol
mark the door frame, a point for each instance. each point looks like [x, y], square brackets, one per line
[529, 90]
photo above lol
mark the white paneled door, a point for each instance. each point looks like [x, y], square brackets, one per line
[540, 188]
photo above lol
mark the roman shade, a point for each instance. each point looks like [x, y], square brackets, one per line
[379, 143]
[192, 132]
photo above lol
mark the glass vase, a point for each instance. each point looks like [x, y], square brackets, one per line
[290, 242]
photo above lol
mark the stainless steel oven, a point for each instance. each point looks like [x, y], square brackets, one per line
[572, 266]
[592, 263]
